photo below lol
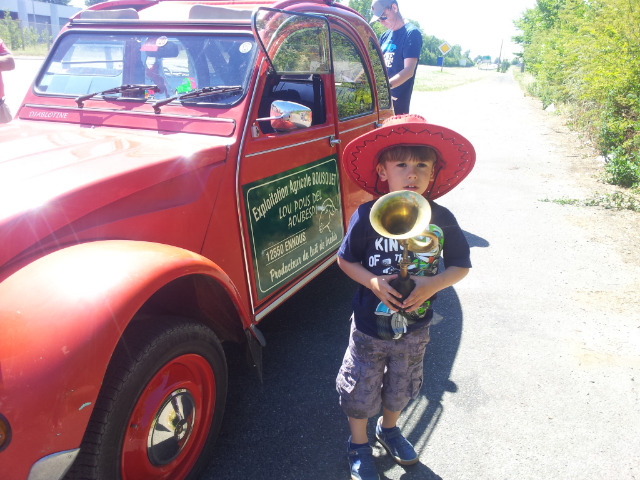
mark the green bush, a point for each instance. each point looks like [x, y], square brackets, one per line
[504, 66]
[31, 37]
[623, 169]
[586, 55]
[10, 31]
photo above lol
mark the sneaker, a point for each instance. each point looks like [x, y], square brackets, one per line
[396, 445]
[361, 463]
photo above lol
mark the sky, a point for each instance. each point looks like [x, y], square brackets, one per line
[479, 26]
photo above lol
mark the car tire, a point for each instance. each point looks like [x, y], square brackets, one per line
[160, 406]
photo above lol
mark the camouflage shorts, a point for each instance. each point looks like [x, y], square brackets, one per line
[378, 372]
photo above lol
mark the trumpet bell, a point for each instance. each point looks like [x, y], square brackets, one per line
[400, 215]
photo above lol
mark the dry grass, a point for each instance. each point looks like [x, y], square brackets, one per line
[429, 79]
[39, 50]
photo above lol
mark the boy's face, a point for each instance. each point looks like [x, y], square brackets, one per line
[408, 174]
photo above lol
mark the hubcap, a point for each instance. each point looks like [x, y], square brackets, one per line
[170, 421]
[171, 427]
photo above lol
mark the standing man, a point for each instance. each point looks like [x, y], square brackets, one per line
[6, 63]
[401, 45]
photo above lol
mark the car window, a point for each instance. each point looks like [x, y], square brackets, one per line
[305, 90]
[380, 77]
[353, 87]
[294, 43]
[90, 62]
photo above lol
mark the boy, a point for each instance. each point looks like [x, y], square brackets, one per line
[380, 370]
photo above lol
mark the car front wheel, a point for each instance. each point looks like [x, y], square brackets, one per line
[160, 406]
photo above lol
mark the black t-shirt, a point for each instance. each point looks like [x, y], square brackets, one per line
[396, 45]
[381, 256]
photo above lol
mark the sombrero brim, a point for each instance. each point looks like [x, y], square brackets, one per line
[456, 155]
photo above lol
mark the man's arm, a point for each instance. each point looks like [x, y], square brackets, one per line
[7, 63]
[405, 74]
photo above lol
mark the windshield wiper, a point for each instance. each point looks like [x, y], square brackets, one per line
[201, 92]
[122, 88]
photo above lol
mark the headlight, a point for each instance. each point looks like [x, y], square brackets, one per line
[5, 433]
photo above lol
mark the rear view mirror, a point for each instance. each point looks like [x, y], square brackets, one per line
[287, 116]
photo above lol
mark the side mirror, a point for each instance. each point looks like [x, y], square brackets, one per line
[288, 116]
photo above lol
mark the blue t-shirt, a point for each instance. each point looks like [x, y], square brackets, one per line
[396, 45]
[381, 256]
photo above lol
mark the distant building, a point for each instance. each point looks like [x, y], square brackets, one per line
[38, 15]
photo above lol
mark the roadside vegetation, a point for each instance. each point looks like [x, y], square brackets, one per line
[584, 59]
[609, 201]
[23, 42]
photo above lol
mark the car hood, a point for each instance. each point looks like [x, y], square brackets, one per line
[53, 174]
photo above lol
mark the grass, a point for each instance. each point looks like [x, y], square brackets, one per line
[609, 201]
[38, 50]
[434, 79]
[526, 81]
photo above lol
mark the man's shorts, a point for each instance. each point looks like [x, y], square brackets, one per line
[378, 372]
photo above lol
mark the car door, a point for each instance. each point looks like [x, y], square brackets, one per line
[289, 179]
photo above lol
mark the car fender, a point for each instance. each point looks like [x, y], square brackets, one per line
[61, 317]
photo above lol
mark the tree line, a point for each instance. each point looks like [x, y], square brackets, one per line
[585, 56]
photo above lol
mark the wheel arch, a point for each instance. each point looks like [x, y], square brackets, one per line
[198, 297]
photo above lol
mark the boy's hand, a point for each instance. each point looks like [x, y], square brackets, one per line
[385, 292]
[425, 288]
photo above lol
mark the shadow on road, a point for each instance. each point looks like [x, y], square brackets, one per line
[475, 241]
[291, 426]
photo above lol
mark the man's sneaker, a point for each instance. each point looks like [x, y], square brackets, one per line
[361, 463]
[396, 445]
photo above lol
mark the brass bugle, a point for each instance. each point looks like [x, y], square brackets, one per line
[401, 215]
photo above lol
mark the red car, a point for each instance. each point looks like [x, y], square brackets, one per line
[172, 176]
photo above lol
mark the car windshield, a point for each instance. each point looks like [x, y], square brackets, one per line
[94, 64]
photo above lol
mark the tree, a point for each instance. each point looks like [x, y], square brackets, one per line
[10, 31]
[363, 7]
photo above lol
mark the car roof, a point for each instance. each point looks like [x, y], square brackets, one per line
[180, 11]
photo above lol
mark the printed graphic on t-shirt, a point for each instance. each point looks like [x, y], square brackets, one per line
[390, 323]
[389, 50]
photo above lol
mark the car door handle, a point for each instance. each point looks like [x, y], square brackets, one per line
[334, 141]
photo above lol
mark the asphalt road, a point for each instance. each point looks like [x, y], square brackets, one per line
[533, 368]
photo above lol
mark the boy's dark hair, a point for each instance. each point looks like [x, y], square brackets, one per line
[404, 152]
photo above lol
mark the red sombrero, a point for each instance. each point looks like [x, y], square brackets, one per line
[456, 155]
